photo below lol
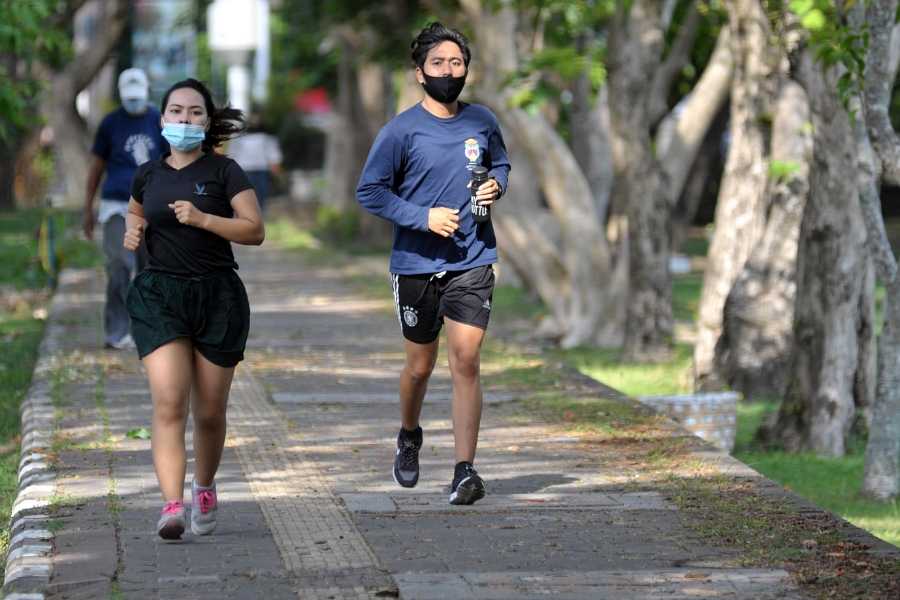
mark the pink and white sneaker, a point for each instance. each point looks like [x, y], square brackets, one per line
[204, 505]
[171, 521]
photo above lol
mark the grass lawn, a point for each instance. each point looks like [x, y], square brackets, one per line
[24, 294]
[831, 483]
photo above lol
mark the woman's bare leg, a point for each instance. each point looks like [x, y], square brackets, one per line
[170, 371]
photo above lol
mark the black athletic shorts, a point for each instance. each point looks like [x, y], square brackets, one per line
[212, 311]
[423, 301]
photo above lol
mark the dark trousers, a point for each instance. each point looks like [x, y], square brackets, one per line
[121, 267]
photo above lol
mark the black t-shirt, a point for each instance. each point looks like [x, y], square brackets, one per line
[210, 182]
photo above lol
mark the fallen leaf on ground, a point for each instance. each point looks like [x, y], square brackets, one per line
[141, 433]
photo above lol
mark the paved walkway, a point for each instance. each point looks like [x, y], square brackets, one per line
[308, 506]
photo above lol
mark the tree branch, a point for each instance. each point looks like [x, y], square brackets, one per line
[880, 16]
[64, 18]
[679, 55]
[85, 66]
[878, 83]
[668, 12]
[689, 124]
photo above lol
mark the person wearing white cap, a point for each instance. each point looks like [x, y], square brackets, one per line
[127, 137]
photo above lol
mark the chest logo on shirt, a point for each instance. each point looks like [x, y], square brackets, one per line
[139, 146]
[473, 151]
[199, 189]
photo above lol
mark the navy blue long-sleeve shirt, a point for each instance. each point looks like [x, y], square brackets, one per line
[420, 161]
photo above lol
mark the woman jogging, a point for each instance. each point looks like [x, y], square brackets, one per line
[189, 310]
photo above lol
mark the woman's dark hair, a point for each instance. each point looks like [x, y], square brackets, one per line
[224, 123]
[433, 35]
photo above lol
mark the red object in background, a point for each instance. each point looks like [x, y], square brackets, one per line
[314, 101]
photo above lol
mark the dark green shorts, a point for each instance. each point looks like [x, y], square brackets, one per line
[212, 311]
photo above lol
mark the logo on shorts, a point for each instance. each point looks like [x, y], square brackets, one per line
[487, 304]
[410, 317]
[473, 151]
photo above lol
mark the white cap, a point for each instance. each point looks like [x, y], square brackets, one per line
[133, 84]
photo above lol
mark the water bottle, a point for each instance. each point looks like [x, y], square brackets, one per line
[479, 213]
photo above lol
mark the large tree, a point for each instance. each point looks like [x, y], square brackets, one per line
[352, 48]
[741, 207]
[753, 352]
[560, 247]
[65, 81]
[637, 55]
[832, 319]
[882, 467]
[32, 32]
[40, 66]
[745, 337]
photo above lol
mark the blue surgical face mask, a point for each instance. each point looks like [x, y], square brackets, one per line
[134, 106]
[183, 136]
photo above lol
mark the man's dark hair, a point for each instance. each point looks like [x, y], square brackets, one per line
[224, 123]
[433, 35]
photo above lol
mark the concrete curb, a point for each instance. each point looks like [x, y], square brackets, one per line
[28, 565]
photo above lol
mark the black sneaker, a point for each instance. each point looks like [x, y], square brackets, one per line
[406, 463]
[467, 486]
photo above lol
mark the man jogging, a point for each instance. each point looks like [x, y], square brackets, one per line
[417, 176]
[127, 138]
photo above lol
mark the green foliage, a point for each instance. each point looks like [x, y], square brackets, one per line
[835, 42]
[304, 49]
[297, 63]
[782, 170]
[565, 61]
[686, 296]
[26, 36]
[20, 336]
[713, 16]
[832, 483]
[336, 225]
[20, 261]
[140, 433]
[671, 376]
[288, 235]
[573, 44]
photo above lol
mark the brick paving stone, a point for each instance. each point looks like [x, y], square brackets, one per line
[308, 508]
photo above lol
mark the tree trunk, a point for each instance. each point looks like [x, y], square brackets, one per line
[865, 381]
[882, 470]
[740, 210]
[579, 275]
[682, 133]
[590, 141]
[10, 144]
[58, 105]
[702, 180]
[881, 479]
[8, 153]
[360, 109]
[635, 45]
[753, 353]
[349, 136]
[337, 169]
[410, 92]
[70, 137]
[818, 407]
[376, 106]
[572, 274]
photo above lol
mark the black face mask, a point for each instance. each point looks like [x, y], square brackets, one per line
[444, 89]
